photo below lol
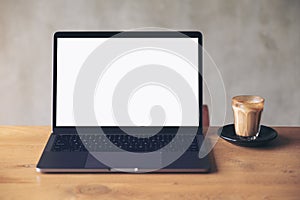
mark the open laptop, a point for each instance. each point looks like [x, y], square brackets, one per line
[126, 102]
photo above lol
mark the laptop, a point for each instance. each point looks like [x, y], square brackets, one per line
[126, 102]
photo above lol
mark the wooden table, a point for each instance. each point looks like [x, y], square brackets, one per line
[241, 173]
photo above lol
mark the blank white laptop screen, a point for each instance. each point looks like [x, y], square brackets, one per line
[72, 54]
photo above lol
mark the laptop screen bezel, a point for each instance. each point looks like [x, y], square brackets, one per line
[132, 34]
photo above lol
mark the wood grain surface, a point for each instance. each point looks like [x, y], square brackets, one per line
[270, 172]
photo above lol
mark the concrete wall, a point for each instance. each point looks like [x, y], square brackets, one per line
[255, 44]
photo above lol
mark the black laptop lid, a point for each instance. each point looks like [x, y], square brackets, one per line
[112, 79]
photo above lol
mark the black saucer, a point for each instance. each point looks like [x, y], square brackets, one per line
[266, 134]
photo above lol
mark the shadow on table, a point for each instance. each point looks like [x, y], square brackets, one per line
[279, 142]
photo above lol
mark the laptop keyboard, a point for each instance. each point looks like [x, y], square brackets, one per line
[98, 142]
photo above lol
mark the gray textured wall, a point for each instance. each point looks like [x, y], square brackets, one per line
[255, 44]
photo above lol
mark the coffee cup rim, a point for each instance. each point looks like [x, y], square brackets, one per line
[250, 99]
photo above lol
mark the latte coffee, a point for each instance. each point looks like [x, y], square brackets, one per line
[247, 110]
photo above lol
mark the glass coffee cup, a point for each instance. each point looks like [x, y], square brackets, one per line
[247, 110]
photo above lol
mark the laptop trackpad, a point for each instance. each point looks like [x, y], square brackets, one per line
[121, 161]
